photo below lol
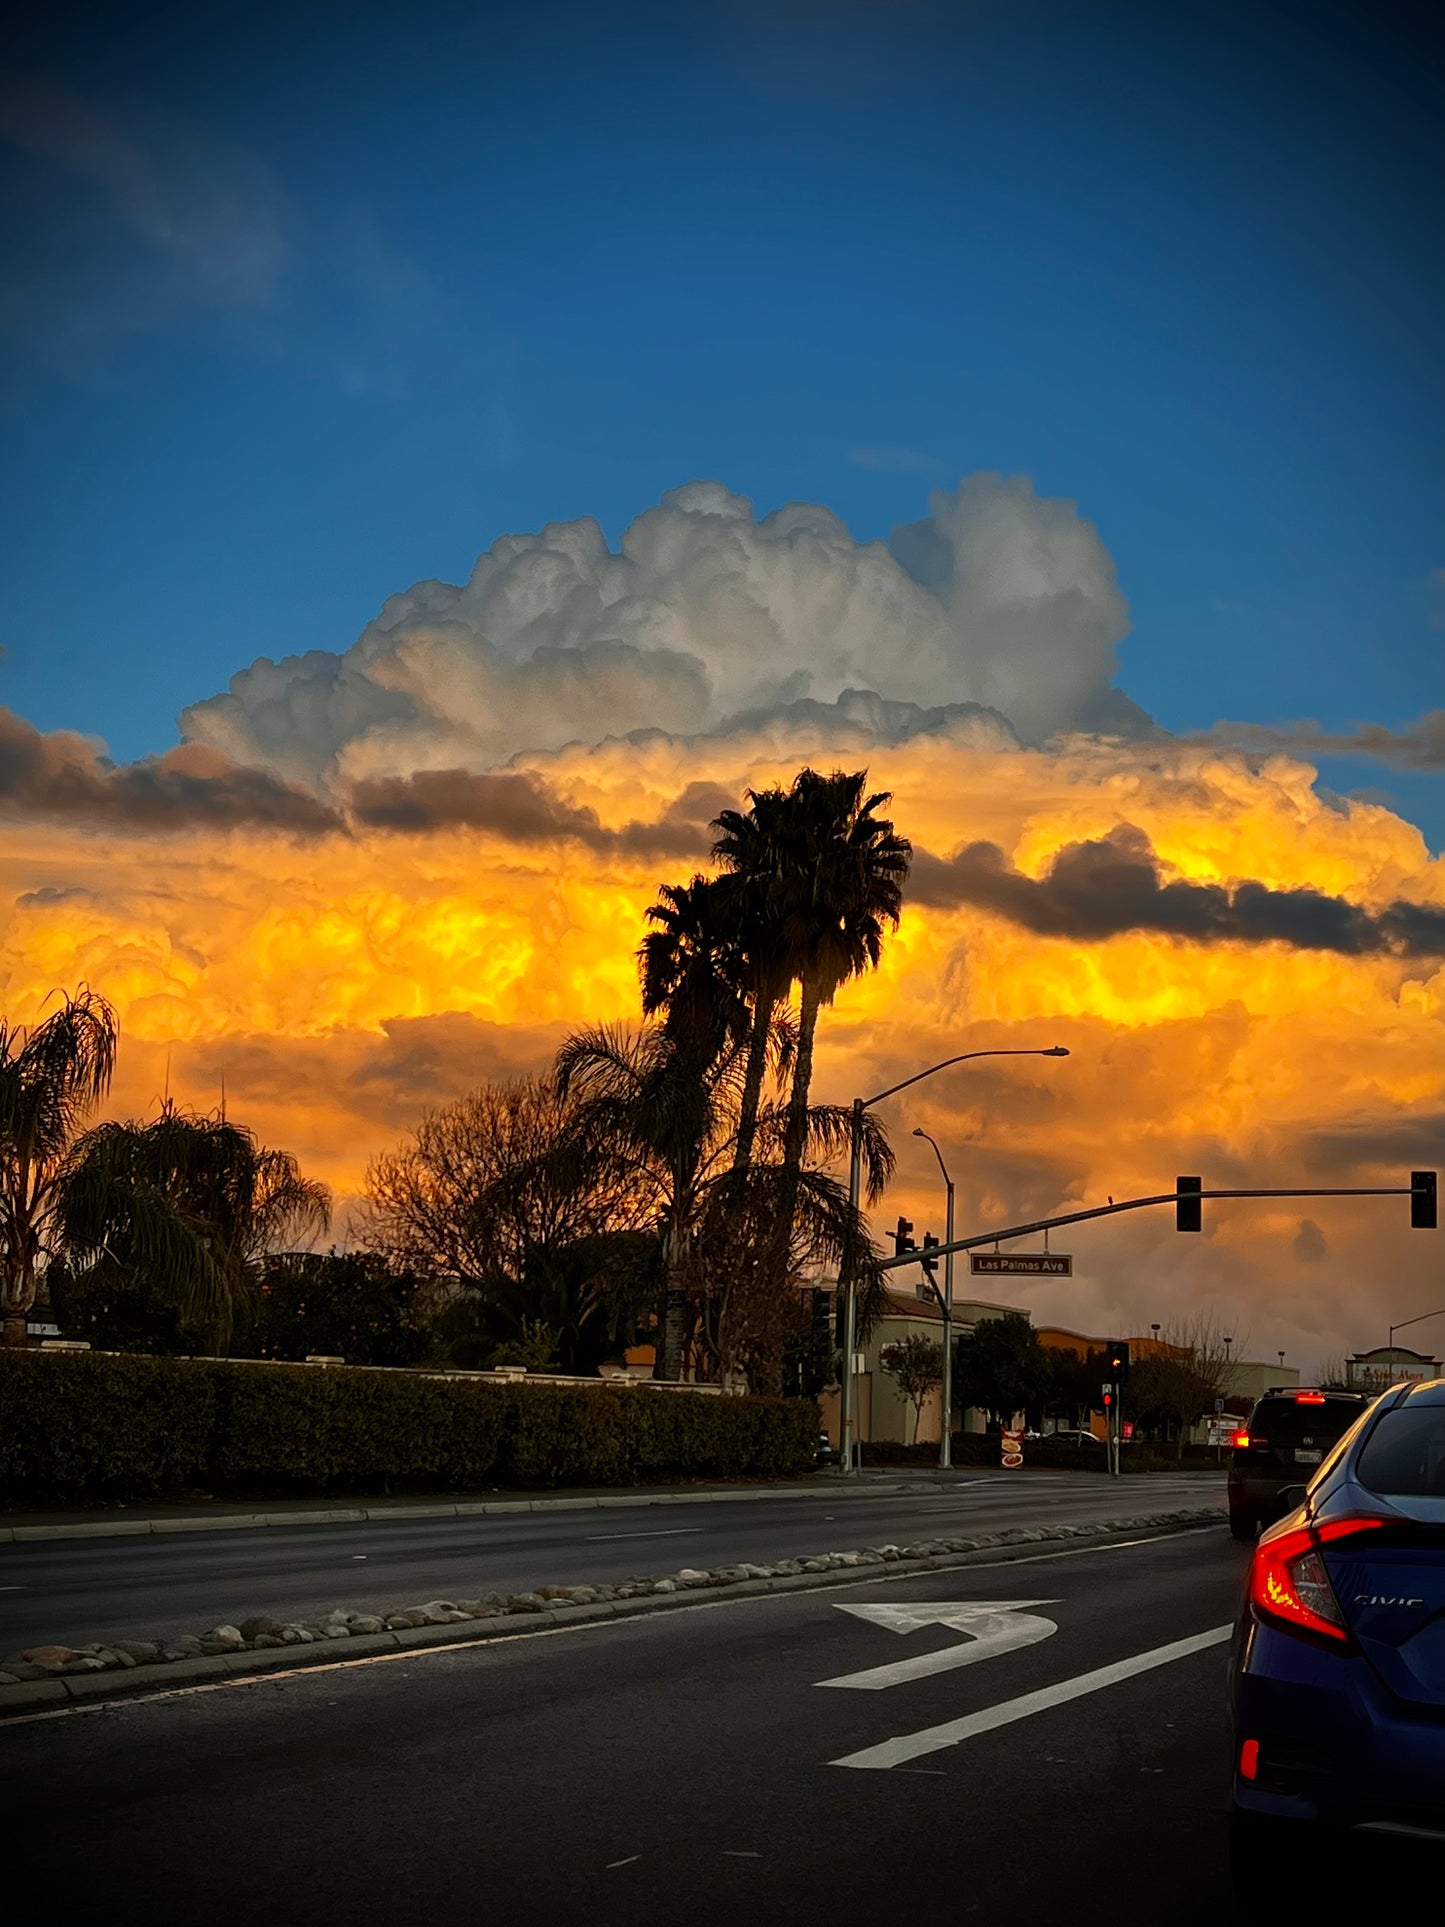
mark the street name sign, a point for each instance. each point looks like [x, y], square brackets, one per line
[1039, 1264]
[992, 1625]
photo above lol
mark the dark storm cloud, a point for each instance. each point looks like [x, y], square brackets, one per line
[517, 807]
[64, 778]
[1381, 1144]
[1104, 888]
[1421, 746]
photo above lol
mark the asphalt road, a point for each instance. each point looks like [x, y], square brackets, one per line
[91, 1589]
[681, 1768]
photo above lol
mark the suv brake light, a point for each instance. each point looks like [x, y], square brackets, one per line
[1243, 1439]
[1288, 1583]
[1309, 1398]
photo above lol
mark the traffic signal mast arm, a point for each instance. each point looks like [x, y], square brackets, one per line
[1140, 1204]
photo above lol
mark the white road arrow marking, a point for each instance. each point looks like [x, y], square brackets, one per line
[913, 1746]
[993, 1626]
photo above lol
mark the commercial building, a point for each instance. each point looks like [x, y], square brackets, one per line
[1388, 1365]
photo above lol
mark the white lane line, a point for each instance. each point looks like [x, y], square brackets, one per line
[621, 1863]
[932, 1739]
[669, 1532]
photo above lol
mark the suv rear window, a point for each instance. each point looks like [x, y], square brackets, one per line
[1284, 1421]
[1405, 1454]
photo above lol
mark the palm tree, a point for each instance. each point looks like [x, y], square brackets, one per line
[51, 1076]
[814, 874]
[749, 844]
[692, 967]
[842, 870]
[192, 1204]
[748, 1307]
[668, 1108]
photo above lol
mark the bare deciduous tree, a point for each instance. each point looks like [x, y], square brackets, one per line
[483, 1182]
[1194, 1366]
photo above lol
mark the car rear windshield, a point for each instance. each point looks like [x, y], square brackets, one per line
[1404, 1456]
[1283, 1421]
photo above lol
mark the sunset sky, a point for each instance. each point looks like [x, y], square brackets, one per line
[452, 452]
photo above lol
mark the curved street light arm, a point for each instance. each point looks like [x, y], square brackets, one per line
[964, 1057]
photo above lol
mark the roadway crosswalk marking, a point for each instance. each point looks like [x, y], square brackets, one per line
[932, 1739]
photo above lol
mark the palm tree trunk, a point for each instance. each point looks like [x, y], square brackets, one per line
[668, 1363]
[763, 1008]
[795, 1136]
[796, 1139]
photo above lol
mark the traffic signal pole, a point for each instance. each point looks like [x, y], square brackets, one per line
[1420, 1194]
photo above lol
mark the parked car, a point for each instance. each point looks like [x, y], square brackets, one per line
[1338, 1664]
[1279, 1445]
[1071, 1437]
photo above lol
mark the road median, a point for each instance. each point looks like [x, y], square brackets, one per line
[48, 1679]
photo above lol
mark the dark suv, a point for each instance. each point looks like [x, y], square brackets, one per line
[1281, 1444]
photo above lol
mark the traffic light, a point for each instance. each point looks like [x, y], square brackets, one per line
[1423, 1200]
[1108, 1398]
[928, 1261]
[1119, 1360]
[903, 1237]
[1188, 1210]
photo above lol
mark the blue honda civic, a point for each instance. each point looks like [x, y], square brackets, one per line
[1339, 1659]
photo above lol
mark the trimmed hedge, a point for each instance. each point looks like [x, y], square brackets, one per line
[80, 1427]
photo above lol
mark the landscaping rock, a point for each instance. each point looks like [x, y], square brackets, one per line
[664, 1585]
[89, 1664]
[8, 1679]
[267, 1639]
[51, 1659]
[691, 1576]
[254, 1628]
[142, 1651]
[526, 1602]
[364, 1623]
[229, 1638]
[399, 1622]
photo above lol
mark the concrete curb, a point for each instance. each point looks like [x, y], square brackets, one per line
[462, 1509]
[88, 1689]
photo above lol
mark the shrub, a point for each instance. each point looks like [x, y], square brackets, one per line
[85, 1426]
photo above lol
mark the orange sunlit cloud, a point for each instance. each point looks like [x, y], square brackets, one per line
[342, 982]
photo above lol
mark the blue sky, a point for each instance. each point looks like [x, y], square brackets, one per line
[304, 306]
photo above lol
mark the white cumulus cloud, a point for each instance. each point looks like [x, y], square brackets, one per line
[999, 599]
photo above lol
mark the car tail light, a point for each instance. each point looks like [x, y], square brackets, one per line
[1288, 1583]
[1249, 1760]
[1309, 1398]
[1243, 1439]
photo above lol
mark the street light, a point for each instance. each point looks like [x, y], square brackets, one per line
[945, 1443]
[855, 1183]
[1409, 1321]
